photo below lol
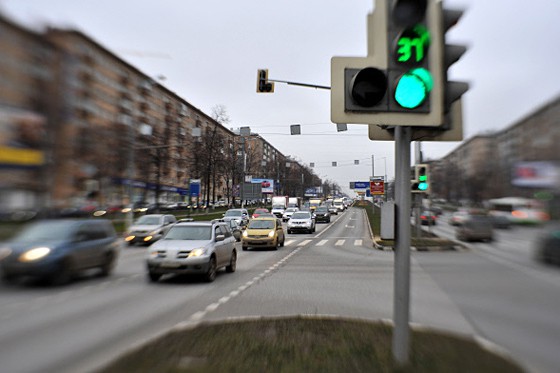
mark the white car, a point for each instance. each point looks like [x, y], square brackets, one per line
[149, 228]
[288, 213]
[301, 221]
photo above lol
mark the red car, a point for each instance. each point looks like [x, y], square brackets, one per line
[428, 218]
[259, 212]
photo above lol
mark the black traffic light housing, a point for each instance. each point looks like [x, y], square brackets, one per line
[421, 182]
[263, 85]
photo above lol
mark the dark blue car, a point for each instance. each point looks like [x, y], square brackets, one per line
[55, 250]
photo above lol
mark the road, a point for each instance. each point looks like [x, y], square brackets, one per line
[499, 294]
[507, 296]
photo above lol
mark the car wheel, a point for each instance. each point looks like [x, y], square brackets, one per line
[212, 269]
[289, 231]
[245, 248]
[108, 266]
[153, 277]
[283, 240]
[8, 279]
[232, 262]
[63, 275]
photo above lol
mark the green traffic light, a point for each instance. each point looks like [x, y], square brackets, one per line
[423, 186]
[413, 88]
[413, 45]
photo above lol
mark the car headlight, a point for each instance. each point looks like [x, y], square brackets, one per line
[197, 252]
[245, 234]
[34, 254]
[153, 254]
[271, 234]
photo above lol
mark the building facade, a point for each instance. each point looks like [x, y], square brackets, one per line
[484, 166]
[80, 127]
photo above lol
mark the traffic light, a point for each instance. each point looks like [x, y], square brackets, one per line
[263, 85]
[421, 182]
[399, 82]
[409, 39]
[451, 53]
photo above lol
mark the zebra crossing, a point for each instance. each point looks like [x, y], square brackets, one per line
[332, 241]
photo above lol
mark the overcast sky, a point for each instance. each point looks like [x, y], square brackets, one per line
[209, 53]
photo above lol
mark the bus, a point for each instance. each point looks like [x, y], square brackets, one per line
[518, 210]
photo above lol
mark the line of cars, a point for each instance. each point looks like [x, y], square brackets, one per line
[59, 249]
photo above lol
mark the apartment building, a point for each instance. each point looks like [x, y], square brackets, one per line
[80, 126]
[483, 166]
[27, 72]
[106, 132]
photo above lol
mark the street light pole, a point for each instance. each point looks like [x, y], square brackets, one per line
[130, 176]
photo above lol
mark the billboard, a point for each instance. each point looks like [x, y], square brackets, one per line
[22, 136]
[267, 185]
[540, 174]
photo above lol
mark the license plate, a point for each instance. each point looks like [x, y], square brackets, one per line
[170, 264]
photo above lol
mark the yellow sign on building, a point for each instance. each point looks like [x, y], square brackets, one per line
[21, 157]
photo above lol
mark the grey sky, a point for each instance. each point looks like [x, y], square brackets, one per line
[209, 52]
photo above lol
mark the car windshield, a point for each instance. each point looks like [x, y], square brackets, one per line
[233, 213]
[301, 215]
[148, 220]
[321, 209]
[261, 224]
[291, 209]
[44, 231]
[192, 233]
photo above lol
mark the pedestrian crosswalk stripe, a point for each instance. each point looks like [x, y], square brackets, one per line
[358, 243]
[322, 242]
[339, 242]
[303, 243]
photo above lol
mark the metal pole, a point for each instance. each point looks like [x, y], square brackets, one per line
[130, 174]
[401, 310]
[417, 196]
[244, 170]
[372, 165]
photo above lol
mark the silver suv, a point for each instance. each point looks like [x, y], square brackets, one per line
[193, 248]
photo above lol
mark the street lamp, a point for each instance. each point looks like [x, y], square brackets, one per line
[243, 132]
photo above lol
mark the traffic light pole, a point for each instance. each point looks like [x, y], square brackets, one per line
[301, 84]
[401, 301]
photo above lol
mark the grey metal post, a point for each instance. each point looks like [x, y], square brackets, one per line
[417, 196]
[401, 302]
[129, 217]
[242, 194]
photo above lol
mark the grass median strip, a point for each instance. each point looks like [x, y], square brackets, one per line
[305, 344]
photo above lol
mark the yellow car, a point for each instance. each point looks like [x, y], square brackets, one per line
[263, 232]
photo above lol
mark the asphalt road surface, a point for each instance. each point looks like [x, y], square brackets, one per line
[495, 291]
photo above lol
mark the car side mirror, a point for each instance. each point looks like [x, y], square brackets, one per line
[220, 237]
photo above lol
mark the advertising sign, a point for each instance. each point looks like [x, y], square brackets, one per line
[377, 188]
[267, 185]
[541, 174]
[361, 184]
[194, 187]
[22, 136]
